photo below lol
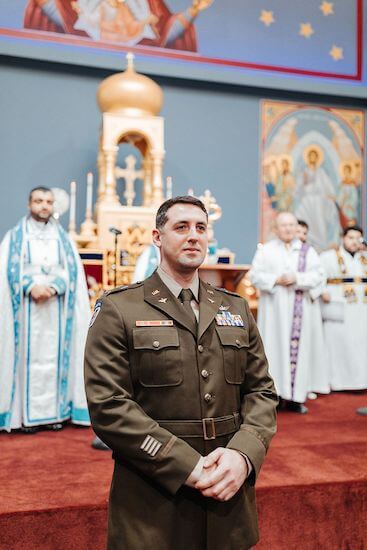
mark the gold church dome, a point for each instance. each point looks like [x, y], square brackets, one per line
[130, 93]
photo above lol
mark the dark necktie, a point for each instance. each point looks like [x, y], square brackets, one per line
[186, 296]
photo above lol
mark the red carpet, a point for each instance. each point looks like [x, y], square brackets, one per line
[312, 491]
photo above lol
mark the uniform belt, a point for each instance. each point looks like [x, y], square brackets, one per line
[207, 428]
[342, 280]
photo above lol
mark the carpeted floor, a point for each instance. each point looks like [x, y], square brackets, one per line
[312, 491]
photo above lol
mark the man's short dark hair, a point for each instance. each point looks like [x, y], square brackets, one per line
[352, 228]
[162, 218]
[303, 224]
[39, 188]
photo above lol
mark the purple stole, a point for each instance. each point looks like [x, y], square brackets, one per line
[297, 318]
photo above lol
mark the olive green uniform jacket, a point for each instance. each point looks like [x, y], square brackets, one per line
[149, 390]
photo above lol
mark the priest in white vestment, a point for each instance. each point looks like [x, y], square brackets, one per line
[345, 311]
[43, 325]
[287, 271]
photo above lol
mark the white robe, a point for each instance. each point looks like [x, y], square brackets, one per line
[275, 315]
[319, 358]
[33, 385]
[147, 263]
[345, 338]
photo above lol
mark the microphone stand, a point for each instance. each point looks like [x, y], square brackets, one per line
[116, 232]
[115, 274]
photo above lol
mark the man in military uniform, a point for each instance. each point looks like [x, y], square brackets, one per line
[178, 387]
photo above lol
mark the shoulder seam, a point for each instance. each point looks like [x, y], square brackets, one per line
[122, 288]
[228, 292]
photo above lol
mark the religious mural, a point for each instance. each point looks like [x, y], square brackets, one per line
[312, 165]
[128, 22]
[315, 38]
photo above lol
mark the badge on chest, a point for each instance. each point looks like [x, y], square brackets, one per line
[225, 318]
[158, 323]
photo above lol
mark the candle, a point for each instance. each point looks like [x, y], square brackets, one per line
[72, 206]
[168, 188]
[89, 194]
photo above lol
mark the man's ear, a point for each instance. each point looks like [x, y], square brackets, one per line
[156, 238]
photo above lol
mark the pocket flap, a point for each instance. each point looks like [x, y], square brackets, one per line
[155, 338]
[233, 336]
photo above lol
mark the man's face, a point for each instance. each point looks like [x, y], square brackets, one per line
[41, 205]
[301, 233]
[183, 241]
[351, 241]
[286, 227]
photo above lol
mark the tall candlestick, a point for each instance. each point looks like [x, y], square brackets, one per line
[89, 201]
[72, 225]
[168, 188]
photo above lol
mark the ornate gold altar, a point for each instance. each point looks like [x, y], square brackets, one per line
[111, 241]
[130, 104]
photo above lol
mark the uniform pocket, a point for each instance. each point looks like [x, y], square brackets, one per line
[234, 342]
[158, 355]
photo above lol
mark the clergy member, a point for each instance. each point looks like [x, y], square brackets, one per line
[345, 324]
[43, 324]
[286, 271]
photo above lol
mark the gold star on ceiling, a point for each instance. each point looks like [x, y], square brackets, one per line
[267, 17]
[336, 53]
[327, 8]
[306, 30]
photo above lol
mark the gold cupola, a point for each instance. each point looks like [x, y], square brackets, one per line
[130, 103]
[129, 93]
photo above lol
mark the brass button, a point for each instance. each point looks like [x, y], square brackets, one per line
[238, 342]
[156, 344]
[208, 397]
[200, 348]
[204, 373]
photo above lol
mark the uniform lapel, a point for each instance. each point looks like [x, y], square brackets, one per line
[159, 296]
[210, 300]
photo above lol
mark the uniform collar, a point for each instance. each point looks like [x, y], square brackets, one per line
[176, 288]
[158, 294]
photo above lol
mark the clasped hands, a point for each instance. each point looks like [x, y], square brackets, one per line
[287, 279]
[224, 472]
[42, 293]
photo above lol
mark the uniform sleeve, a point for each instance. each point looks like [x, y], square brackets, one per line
[258, 407]
[259, 276]
[117, 418]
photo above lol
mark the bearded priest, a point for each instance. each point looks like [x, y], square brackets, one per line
[44, 320]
